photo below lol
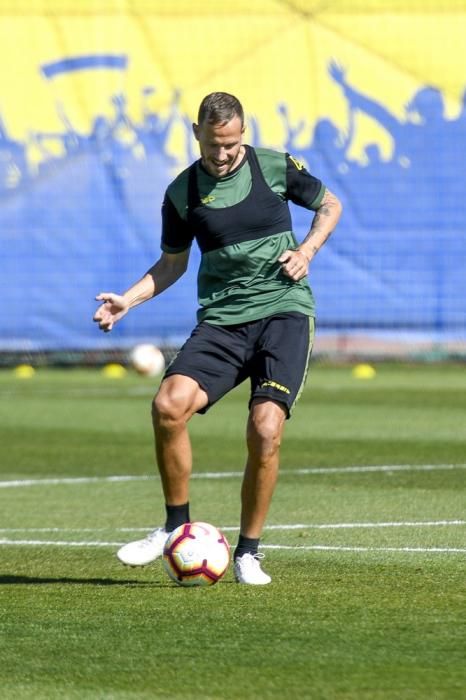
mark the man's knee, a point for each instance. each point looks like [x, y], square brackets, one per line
[169, 407]
[176, 401]
[265, 427]
[163, 409]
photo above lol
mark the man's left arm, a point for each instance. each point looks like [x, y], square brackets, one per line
[295, 263]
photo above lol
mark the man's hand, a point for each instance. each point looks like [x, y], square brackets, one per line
[295, 264]
[114, 307]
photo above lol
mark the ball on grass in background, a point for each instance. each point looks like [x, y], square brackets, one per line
[364, 371]
[196, 554]
[147, 360]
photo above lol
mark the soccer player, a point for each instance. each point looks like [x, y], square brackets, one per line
[256, 315]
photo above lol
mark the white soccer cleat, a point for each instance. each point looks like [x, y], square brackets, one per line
[248, 570]
[143, 552]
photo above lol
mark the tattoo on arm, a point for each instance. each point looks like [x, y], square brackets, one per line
[324, 221]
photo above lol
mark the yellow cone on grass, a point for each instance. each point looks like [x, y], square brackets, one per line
[24, 371]
[114, 371]
[363, 371]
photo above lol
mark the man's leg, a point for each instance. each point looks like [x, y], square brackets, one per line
[264, 432]
[178, 398]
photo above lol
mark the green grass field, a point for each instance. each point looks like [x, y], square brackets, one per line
[365, 543]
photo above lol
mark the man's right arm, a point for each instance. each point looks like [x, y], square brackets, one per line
[167, 270]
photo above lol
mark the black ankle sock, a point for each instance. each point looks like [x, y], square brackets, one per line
[176, 516]
[246, 545]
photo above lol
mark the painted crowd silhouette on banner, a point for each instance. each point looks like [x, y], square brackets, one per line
[86, 190]
[423, 169]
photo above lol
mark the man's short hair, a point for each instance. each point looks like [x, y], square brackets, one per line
[219, 108]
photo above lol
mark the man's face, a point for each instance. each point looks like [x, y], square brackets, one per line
[220, 145]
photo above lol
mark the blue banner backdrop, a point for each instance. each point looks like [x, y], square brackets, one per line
[87, 219]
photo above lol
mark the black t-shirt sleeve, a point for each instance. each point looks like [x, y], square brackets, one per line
[302, 188]
[176, 235]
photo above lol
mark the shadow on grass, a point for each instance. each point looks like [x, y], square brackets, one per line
[13, 580]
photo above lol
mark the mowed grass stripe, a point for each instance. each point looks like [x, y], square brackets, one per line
[18, 483]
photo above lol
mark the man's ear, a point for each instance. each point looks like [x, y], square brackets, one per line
[196, 131]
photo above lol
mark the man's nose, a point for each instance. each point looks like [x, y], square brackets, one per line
[220, 153]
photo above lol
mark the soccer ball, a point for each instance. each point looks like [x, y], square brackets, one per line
[196, 554]
[147, 359]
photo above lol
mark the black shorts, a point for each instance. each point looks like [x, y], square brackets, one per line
[273, 352]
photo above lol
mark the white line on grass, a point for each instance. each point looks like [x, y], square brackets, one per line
[321, 526]
[17, 483]
[422, 550]
[337, 526]
[384, 468]
[229, 528]
[58, 543]
[342, 548]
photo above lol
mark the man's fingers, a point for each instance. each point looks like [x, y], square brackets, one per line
[292, 255]
[104, 324]
[284, 257]
[100, 316]
[103, 317]
[101, 313]
[109, 311]
[294, 264]
[105, 296]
